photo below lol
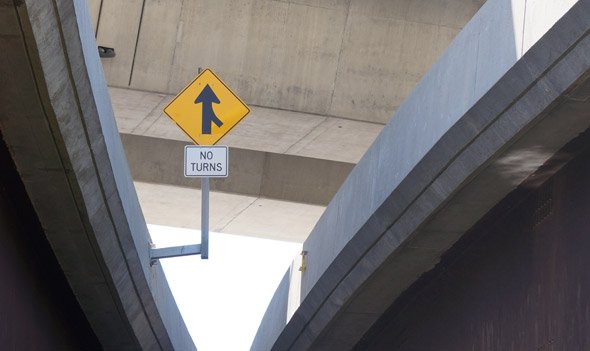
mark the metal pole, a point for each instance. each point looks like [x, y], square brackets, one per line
[204, 218]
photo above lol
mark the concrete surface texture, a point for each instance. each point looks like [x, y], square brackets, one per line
[264, 129]
[39, 309]
[509, 92]
[176, 206]
[518, 280]
[356, 59]
[274, 153]
[57, 121]
[293, 62]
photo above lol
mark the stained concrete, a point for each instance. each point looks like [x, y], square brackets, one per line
[356, 59]
[463, 139]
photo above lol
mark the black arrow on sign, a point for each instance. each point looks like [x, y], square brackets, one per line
[207, 97]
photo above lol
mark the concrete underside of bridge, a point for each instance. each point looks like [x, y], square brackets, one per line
[57, 123]
[517, 280]
[321, 77]
[353, 59]
[39, 309]
[510, 91]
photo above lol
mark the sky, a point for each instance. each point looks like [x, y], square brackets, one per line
[223, 299]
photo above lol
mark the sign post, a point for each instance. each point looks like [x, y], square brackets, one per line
[205, 162]
[205, 218]
[205, 110]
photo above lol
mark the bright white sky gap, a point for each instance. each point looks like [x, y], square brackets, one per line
[223, 299]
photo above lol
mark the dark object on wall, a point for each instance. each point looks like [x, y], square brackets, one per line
[103, 51]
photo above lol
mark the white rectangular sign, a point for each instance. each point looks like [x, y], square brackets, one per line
[205, 161]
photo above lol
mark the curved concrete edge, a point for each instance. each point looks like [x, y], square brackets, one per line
[59, 126]
[281, 308]
[421, 185]
[165, 309]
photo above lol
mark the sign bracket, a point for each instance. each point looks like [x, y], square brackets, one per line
[174, 251]
[189, 250]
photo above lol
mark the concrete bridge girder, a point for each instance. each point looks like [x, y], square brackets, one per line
[493, 109]
[57, 121]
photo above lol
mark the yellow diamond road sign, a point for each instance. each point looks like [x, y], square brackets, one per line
[206, 109]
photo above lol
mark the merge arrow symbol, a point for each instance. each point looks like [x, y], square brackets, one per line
[207, 97]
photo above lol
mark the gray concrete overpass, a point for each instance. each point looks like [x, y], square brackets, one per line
[354, 59]
[510, 91]
[58, 128]
[503, 100]
[321, 77]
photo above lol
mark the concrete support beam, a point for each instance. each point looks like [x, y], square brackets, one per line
[254, 173]
[57, 121]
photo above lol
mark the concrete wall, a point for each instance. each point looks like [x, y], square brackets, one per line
[356, 59]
